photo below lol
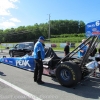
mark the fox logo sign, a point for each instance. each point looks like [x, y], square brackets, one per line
[23, 63]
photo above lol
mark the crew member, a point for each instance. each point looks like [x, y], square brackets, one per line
[67, 49]
[39, 55]
[83, 49]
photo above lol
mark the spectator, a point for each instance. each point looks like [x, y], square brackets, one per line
[67, 48]
[39, 55]
[82, 48]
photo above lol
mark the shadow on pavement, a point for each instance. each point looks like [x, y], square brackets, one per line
[2, 74]
[89, 89]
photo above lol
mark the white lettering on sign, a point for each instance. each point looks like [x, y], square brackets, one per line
[97, 23]
[92, 25]
[23, 63]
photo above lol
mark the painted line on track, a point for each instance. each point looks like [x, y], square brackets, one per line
[33, 97]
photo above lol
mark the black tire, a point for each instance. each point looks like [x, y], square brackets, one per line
[11, 54]
[68, 74]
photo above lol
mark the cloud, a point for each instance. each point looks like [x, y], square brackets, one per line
[14, 0]
[2, 19]
[5, 5]
[7, 24]
[15, 20]
[5, 15]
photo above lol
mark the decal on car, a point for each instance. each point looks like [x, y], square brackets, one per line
[23, 63]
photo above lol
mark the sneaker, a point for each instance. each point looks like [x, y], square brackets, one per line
[40, 82]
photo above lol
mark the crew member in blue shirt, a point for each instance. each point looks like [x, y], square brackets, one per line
[83, 50]
[39, 55]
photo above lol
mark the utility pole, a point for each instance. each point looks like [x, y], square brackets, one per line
[49, 27]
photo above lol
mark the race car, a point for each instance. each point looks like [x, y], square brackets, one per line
[69, 70]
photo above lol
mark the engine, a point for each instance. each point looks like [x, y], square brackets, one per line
[92, 66]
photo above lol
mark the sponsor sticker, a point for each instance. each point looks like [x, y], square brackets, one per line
[22, 63]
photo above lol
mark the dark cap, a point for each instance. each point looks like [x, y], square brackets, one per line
[42, 38]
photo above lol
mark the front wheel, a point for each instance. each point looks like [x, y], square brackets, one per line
[68, 74]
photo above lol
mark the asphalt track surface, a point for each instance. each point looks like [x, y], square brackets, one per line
[51, 90]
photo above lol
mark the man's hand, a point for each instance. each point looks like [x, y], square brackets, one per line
[81, 50]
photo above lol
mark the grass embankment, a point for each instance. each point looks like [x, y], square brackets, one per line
[2, 47]
[63, 38]
[68, 39]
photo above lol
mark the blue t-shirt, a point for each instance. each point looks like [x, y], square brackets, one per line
[81, 54]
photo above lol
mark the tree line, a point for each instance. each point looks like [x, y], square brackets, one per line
[30, 33]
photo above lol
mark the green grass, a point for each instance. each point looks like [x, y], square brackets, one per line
[2, 47]
[61, 49]
[69, 39]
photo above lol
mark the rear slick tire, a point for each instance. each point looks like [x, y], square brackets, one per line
[68, 74]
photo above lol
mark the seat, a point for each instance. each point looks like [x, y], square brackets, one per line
[50, 58]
